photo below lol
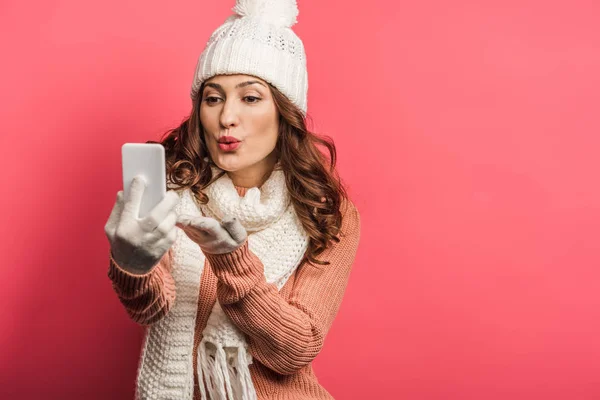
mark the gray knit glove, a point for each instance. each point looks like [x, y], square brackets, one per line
[139, 244]
[213, 237]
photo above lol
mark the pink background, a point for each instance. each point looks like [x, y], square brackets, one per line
[468, 135]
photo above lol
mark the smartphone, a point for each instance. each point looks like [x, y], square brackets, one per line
[148, 160]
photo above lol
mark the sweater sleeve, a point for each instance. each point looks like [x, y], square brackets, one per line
[146, 297]
[287, 335]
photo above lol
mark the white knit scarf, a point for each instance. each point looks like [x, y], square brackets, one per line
[276, 236]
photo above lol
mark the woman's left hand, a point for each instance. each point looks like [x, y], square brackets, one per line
[212, 236]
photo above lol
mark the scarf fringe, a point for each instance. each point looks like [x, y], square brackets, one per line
[245, 379]
[226, 378]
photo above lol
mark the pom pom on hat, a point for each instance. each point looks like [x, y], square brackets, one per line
[280, 13]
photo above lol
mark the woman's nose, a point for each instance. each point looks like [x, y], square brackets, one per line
[229, 115]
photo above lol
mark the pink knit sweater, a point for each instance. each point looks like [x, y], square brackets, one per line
[285, 329]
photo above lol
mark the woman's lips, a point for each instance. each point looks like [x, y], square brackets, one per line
[228, 143]
[229, 146]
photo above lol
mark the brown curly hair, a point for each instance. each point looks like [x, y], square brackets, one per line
[316, 189]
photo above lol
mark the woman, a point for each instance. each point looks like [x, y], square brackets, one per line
[240, 270]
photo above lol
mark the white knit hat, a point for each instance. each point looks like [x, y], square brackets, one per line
[257, 40]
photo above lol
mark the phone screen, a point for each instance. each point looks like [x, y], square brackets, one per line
[147, 160]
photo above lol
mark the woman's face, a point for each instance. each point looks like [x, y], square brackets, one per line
[240, 122]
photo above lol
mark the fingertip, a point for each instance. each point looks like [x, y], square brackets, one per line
[199, 221]
[228, 220]
[139, 180]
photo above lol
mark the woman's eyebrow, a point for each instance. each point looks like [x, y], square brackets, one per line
[247, 83]
[239, 85]
[215, 86]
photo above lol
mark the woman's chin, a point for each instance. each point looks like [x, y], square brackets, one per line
[229, 163]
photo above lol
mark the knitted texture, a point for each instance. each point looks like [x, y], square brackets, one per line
[258, 40]
[277, 237]
[257, 209]
[166, 368]
[285, 327]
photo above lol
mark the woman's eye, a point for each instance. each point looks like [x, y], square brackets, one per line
[211, 100]
[252, 99]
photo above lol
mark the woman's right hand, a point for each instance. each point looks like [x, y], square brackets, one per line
[138, 244]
